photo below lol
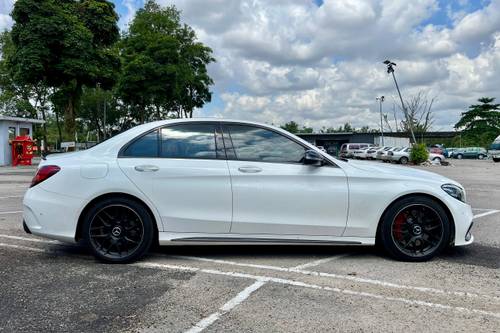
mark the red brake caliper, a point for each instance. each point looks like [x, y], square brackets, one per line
[398, 226]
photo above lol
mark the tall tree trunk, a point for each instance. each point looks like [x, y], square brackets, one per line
[58, 123]
[71, 110]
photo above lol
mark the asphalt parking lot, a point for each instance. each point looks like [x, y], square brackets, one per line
[50, 286]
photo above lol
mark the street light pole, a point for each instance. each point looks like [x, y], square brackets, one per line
[381, 99]
[390, 70]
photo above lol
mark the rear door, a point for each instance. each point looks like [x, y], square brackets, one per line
[182, 169]
[275, 193]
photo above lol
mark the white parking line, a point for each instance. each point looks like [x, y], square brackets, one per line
[263, 278]
[341, 277]
[20, 247]
[11, 212]
[234, 302]
[313, 286]
[493, 211]
[318, 262]
[11, 196]
[29, 239]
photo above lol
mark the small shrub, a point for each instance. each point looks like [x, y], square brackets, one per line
[419, 153]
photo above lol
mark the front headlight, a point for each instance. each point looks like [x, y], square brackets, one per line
[455, 191]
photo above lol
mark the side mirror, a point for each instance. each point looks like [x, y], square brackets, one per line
[312, 157]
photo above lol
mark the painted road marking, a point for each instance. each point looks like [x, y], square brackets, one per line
[20, 247]
[341, 277]
[319, 262]
[493, 211]
[234, 302]
[11, 196]
[29, 239]
[313, 286]
[264, 278]
[11, 212]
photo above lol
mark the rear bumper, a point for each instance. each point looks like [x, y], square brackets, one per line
[50, 215]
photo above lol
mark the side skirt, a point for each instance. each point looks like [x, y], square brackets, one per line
[167, 238]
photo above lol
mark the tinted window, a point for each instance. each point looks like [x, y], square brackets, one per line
[354, 146]
[188, 141]
[258, 144]
[145, 146]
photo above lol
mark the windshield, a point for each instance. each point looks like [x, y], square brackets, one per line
[495, 146]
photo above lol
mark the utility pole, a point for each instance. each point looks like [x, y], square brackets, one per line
[381, 99]
[390, 70]
[104, 129]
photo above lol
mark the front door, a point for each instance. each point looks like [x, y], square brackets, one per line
[275, 193]
[182, 172]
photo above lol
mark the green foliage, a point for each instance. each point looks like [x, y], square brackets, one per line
[419, 153]
[65, 45]
[293, 127]
[164, 68]
[481, 124]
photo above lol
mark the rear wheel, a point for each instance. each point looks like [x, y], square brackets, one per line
[403, 160]
[437, 159]
[118, 230]
[460, 156]
[480, 156]
[415, 229]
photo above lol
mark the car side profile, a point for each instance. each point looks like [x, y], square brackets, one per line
[470, 152]
[213, 181]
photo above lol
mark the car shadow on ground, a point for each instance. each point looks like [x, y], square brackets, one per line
[475, 254]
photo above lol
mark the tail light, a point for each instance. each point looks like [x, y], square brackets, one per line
[44, 173]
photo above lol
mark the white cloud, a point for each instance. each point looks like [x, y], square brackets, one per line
[287, 60]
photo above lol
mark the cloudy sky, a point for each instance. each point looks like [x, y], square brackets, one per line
[319, 62]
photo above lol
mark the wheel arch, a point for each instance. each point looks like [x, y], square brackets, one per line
[420, 194]
[78, 233]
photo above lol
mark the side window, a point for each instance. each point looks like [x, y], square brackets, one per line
[352, 147]
[258, 144]
[188, 141]
[145, 146]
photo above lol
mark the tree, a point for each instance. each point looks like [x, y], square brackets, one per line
[481, 124]
[419, 114]
[65, 45]
[17, 98]
[164, 68]
[294, 127]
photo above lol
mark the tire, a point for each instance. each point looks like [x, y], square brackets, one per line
[496, 159]
[118, 230]
[403, 160]
[437, 159]
[407, 240]
[480, 156]
[460, 156]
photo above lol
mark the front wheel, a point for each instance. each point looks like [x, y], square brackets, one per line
[460, 156]
[118, 230]
[480, 156]
[415, 229]
[403, 160]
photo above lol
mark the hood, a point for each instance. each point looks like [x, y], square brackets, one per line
[401, 172]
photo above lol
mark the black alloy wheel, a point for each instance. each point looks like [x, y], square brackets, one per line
[118, 230]
[415, 229]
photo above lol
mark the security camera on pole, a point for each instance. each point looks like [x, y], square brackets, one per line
[390, 70]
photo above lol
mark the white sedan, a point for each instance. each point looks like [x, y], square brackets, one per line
[209, 181]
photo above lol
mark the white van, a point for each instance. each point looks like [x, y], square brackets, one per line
[347, 149]
[494, 150]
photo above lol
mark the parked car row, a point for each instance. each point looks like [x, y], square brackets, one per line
[384, 154]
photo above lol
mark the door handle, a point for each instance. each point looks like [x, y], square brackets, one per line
[146, 168]
[249, 169]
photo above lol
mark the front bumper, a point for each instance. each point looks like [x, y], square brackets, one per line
[463, 218]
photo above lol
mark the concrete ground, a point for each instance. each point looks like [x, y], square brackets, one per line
[50, 286]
